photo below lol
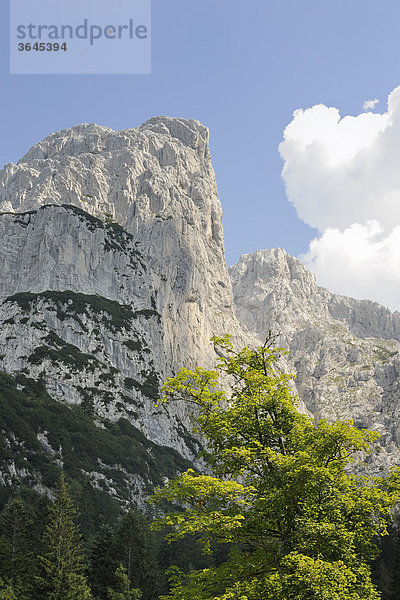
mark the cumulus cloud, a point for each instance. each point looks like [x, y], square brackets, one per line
[343, 177]
[361, 261]
[370, 104]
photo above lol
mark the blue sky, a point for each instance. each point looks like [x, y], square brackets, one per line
[241, 68]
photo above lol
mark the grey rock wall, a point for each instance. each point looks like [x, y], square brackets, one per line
[112, 269]
[345, 352]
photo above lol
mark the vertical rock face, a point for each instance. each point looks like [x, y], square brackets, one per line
[345, 352]
[158, 183]
[113, 270]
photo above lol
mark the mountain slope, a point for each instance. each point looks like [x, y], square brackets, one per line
[345, 352]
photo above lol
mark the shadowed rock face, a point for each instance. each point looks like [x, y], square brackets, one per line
[345, 352]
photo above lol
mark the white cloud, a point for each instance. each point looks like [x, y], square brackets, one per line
[370, 104]
[343, 177]
[361, 261]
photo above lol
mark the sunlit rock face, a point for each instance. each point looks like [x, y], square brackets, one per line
[344, 352]
[113, 269]
[113, 277]
[158, 183]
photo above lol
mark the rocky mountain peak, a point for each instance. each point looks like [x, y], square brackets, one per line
[189, 132]
[106, 172]
[345, 352]
[264, 267]
[158, 183]
[288, 290]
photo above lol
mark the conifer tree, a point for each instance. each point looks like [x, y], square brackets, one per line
[137, 547]
[103, 562]
[6, 591]
[16, 558]
[122, 589]
[62, 565]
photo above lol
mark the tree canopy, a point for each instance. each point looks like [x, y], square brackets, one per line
[277, 489]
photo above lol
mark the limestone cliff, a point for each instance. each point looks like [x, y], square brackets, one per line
[158, 183]
[113, 270]
[344, 352]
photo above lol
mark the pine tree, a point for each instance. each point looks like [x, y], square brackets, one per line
[123, 590]
[62, 564]
[6, 591]
[103, 562]
[16, 558]
[138, 550]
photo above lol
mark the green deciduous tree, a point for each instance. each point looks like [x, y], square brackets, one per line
[62, 565]
[300, 524]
